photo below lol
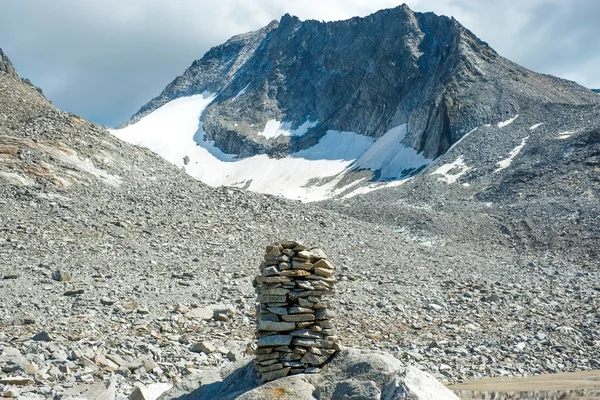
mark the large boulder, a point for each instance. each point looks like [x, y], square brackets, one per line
[351, 374]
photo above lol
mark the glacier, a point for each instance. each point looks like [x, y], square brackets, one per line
[175, 132]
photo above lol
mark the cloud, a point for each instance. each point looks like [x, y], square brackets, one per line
[103, 59]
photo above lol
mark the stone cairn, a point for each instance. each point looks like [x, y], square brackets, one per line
[294, 328]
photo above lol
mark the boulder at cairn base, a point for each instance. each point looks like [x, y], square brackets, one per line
[350, 374]
[294, 326]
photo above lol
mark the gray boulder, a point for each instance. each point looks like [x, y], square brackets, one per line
[352, 374]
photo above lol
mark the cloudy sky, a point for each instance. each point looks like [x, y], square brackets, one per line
[103, 59]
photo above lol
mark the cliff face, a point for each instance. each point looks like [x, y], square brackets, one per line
[365, 75]
[6, 66]
[212, 72]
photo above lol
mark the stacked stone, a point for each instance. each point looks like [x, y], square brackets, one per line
[294, 323]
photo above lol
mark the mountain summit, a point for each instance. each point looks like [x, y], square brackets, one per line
[393, 90]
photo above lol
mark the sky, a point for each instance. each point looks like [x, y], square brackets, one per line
[104, 59]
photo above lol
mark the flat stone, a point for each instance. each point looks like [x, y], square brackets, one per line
[150, 392]
[267, 317]
[17, 381]
[305, 303]
[204, 313]
[284, 266]
[268, 362]
[288, 252]
[264, 350]
[324, 264]
[204, 347]
[306, 286]
[277, 305]
[278, 310]
[42, 336]
[313, 359]
[272, 375]
[324, 313]
[290, 357]
[268, 298]
[304, 254]
[268, 356]
[276, 279]
[323, 272]
[317, 253]
[274, 340]
[299, 310]
[302, 265]
[326, 344]
[275, 291]
[295, 273]
[270, 271]
[295, 295]
[293, 364]
[326, 324]
[298, 317]
[276, 326]
[267, 368]
[324, 304]
[107, 301]
[306, 333]
[73, 292]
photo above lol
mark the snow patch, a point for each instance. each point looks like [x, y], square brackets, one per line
[503, 164]
[533, 127]
[507, 122]
[375, 186]
[463, 137]
[565, 135]
[391, 157]
[175, 131]
[241, 92]
[17, 179]
[274, 128]
[452, 171]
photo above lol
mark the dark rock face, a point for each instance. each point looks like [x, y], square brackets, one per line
[6, 66]
[365, 75]
[596, 90]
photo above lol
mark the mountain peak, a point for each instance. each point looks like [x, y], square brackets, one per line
[410, 84]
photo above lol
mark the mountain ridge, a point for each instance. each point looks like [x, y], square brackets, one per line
[388, 94]
[300, 64]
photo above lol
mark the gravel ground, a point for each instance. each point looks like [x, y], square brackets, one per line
[160, 266]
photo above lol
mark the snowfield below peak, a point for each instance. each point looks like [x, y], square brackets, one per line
[175, 132]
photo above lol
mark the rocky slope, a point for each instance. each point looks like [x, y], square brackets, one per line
[473, 271]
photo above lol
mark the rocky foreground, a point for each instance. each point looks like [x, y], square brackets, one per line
[351, 374]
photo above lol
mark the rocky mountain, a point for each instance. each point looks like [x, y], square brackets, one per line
[355, 102]
[7, 68]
